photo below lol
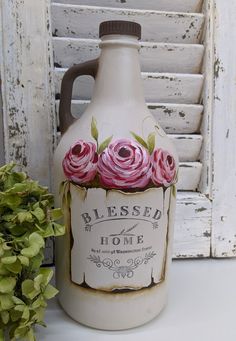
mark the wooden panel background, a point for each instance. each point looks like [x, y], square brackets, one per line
[188, 87]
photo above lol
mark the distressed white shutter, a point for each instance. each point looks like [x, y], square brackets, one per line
[171, 57]
[188, 67]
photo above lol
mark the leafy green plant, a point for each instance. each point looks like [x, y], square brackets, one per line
[27, 218]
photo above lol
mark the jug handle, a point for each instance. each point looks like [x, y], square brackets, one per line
[84, 69]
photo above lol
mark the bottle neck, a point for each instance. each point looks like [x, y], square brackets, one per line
[118, 81]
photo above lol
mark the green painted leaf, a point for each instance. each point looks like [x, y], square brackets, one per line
[50, 292]
[7, 284]
[174, 191]
[151, 142]
[94, 130]
[139, 139]
[104, 144]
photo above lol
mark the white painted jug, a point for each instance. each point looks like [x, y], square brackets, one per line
[116, 170]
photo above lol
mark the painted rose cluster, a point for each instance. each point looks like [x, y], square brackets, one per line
[122, 164]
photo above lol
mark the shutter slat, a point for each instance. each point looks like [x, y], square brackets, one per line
[158, 5]
[188, 146]
[189, 176]
[83, 21]
[154, 57]
[192, 235]
[173, 118]
[158, 87]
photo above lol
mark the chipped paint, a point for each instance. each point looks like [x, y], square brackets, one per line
[218, 67]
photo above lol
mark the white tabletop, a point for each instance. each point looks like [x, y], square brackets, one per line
[202, 307]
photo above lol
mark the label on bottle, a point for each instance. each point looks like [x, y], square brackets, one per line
[119, 240]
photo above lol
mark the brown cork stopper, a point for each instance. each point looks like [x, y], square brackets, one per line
[120, 27]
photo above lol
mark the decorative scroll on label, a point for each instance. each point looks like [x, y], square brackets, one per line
[119, 239]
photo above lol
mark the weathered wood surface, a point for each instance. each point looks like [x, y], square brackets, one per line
[173, 118]
[2, 154]
[27, 89]
[224, 131]
[188, 146]
[192, 236]
[158, 5]
[158, 87]
[189, 176]
[205, 185]
[154, 57]
[83, 21]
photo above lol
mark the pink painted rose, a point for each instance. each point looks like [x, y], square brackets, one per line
[124, 164]
[163, 168]
[80, 162]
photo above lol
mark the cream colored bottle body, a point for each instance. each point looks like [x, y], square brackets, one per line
[112, 264]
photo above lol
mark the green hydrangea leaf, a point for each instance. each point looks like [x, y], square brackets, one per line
[94, 130]
[35, 238]
[1, 335]
[48, 232]
[24, 216]
[6, 301]
[50, 292]
[47, 275]
[14, 267]
[36, 261]
[28, 289]
[56, 213]
[9, 260]
[15, 315]
[3, 270]
[139, 139]
[39, 214]
[24, 260]
[59, 229]
[39, 302]
[30, 335]
[26, 313]
[12, 201]
[151, 142]
[7, 284]
[26, 219]
[5, 316]
[17, 300]
[30, 251]
[38, 281]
